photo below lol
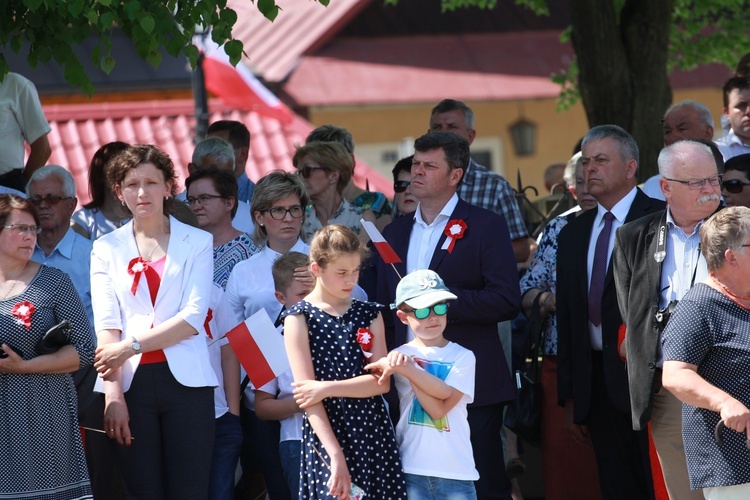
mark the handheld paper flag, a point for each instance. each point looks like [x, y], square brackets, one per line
[259, 348]
[387, 253]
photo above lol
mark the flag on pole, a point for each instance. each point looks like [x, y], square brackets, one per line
[259, 348]
[237, 86]
[386, 251]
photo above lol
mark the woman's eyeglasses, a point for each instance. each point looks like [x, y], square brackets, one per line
[202, 199]
[278, 213]
[734, 185]
[400, 186]
[438, 309]
[49, 199]
[23, 228]
[306, 172]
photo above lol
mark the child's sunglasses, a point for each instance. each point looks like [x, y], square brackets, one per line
[438, 309]
[734, 185]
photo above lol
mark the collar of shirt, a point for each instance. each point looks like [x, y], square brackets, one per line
[64, 247]
[732, 139]
[300, 246]
[444, 214]
[620, 210]
[671, 226]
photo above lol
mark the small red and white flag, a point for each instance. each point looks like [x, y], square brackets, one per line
[259, 348]
[238, 86]
[386, 251]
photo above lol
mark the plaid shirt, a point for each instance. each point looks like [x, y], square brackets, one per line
[492, 192]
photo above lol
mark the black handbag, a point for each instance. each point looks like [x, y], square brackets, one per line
[523, 415]
[55, 338]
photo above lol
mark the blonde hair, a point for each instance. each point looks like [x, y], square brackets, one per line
[331, 242]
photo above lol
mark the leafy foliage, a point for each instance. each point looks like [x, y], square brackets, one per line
[54, 27]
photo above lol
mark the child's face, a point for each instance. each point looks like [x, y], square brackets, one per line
[340, 276]
[295, 292]
[428, 330]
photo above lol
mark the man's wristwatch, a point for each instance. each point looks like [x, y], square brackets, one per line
[136, 345]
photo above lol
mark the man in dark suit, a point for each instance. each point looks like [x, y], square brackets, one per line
[470, 248]
[656, 260]
[592, 382]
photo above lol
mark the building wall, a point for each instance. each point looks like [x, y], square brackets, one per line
[382, 129]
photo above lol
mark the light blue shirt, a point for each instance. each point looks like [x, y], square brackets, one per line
[245, 188]
[72, 255]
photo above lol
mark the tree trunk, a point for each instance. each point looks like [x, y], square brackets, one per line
[622, 59]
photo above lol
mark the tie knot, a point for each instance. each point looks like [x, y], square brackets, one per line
[609, 217]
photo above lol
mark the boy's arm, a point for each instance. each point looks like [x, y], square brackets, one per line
[435, 407]
[267, 407]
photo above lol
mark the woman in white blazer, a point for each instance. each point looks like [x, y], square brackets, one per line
[150, 287]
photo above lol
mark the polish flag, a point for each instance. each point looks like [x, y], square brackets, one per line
[387, 253]
[259, 348]
[237, 86]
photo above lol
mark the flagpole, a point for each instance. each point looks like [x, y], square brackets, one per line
[397, 273]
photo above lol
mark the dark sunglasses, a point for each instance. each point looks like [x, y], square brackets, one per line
[734, 185]
[438, 309]
[400, 186]
[306, 172]
[49, 199]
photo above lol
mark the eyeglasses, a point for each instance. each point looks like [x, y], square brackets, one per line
[23, 228]
[696, 184]
[400, 186]
[734, 185]
[202, 199]
[306, 172]
[49, 199]
[278, 213]
[438, 309]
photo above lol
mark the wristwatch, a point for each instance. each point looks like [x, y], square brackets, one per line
[136, 345]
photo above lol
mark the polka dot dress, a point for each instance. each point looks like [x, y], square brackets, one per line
[710, 331]
[41, 456]
[361, 425]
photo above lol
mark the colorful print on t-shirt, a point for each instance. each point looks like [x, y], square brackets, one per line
[418, 415]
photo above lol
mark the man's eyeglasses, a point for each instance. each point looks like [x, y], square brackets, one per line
[306, 172]
[278, 213]
[49, 199]
[400, 186]
[696, 184]
[438, 309]
[23, 228]
[734, 185]
[202, 199]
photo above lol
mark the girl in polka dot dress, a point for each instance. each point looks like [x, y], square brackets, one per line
[349, 449]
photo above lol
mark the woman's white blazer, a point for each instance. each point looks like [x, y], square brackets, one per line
[185, 291]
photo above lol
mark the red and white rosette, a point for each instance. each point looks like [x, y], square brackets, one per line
[454, 230]
[22, 312]
[364, 339]
[136, 268]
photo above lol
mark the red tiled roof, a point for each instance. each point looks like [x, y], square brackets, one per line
[78, 130]
[274, 48]
[471, 67]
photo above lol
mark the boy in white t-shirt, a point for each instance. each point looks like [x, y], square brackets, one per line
[275, 401]
[435, 381]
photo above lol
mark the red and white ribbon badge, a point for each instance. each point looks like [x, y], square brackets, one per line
[454, 230]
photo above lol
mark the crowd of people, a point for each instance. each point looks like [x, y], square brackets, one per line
[400, 360]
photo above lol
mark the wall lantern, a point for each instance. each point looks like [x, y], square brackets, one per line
[523, 134]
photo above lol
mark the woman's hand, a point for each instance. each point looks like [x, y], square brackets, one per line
[116, 418]
[13, 363]
[309, 392]
[110, 357]
[305, 276]
[340, 483]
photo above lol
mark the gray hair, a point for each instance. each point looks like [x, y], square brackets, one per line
[704, 114]
[216, 151]
[727, 229]
[570, 169]
[332, 133]
[626, 145]
[69, 185]
[680, 153]
[453, 105]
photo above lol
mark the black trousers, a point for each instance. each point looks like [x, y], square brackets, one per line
[621, 453]
[485, 423]
[173, 430]
[14, 180]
